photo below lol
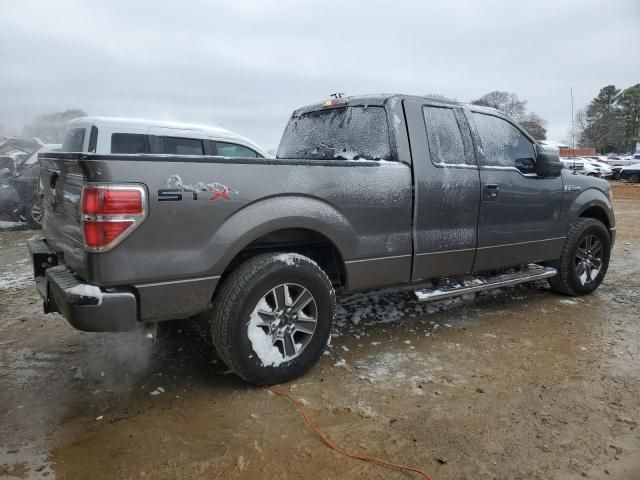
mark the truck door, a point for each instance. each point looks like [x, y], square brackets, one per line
[447, 189]
[519, 212]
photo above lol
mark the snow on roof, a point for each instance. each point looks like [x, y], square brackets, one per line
[144, 123]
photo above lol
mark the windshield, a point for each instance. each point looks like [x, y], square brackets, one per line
[348, 133]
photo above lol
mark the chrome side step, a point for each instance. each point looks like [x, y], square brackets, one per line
[453, 287]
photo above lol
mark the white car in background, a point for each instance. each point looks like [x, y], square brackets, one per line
[620, 161]
[578, 165]
[604, 170]
[136, 136]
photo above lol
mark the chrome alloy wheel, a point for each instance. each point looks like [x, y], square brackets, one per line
[36, 213]
[288, 314]
[588, 259]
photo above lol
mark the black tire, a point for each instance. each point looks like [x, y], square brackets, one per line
[568, 281]
[634, 178]
[238, 297]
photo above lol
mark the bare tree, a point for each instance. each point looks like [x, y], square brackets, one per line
[50, 127]
[507, 103]
[516, 109]
[536, 126]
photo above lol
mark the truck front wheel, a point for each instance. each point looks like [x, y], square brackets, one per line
[272, 317]
[584, 260]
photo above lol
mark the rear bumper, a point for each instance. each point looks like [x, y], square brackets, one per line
[85, 307]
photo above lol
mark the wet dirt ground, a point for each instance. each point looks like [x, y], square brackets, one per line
[520, 383]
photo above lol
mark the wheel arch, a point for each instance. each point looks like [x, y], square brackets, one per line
[596, 212]
[593, 203]
[299, 224]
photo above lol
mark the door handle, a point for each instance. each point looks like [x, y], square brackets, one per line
[491, 191]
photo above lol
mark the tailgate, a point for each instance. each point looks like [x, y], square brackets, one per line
[61, 180]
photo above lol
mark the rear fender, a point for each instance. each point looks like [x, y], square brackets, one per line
[277, 213]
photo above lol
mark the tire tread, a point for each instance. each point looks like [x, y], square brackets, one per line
[560, 283]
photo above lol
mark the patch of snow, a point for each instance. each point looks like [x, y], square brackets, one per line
[567, 301]
[291, 258]
[583, 278]
[85, 290]
[10, 225]
[365, 409]
[16, 275]
[261, 343]
[157, 391]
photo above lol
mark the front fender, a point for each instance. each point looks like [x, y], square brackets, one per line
[277, 213]
[589, 198]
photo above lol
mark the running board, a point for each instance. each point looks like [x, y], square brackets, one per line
[450, 287]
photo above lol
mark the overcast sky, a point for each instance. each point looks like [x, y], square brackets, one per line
[246, 65]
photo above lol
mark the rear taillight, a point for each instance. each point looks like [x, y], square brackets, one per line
[110, 213]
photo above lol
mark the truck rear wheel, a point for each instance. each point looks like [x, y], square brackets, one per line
[272, 317]
[584, 260]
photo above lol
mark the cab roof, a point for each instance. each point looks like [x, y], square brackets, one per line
[382, 98]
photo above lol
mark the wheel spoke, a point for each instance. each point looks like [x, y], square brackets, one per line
[280, 297]
[579, 269]
[596, 263]
[302, 301]
[288, 345]
[265, 319]
[581, 254]
[307, 326]
[589, 275]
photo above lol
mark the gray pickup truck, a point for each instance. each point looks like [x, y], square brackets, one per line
[365, 192]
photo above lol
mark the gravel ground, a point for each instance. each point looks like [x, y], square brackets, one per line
[519, 383]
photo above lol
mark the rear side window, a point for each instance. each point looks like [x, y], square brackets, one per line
[233, 150]
[347, 133]
[129, 143]
[73, 140]
[503, 144]
[183, 146]
[446, 143]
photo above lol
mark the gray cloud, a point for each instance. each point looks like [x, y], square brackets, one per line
[247, 64]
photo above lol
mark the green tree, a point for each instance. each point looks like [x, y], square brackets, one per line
[629, 104]
[602, 121]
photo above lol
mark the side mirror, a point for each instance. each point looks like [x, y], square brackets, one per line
[548, 165]
[5, 172]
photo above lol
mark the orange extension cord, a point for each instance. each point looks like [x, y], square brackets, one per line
[328, 443]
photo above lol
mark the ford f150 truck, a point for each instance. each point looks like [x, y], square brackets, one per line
[365, 192]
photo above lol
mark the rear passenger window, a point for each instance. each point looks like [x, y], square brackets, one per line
[232, 150]
[446, 144]
[129, 143]
[183, 146]
[73, 140]
[503, 144]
